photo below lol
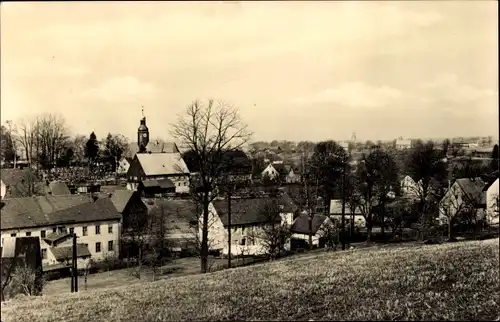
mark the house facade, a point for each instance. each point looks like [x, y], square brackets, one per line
[159, 166]
[250, 225]
[464, 196]
[281, 171]
[322, 226]
[123, 165]
[53, 219]
[492, 203]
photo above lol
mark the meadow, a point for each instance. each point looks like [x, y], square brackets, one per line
[456, 281]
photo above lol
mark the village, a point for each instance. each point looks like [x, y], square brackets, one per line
[134, 205]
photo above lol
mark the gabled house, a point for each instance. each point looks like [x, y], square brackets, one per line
[409, 187]
[492, 202]
[464, 196]
[123, 165]
[97, 223]
[157, 166]
[132, 208]
[336, 214]
[403, 144]
[321, 225]
[156, 188]
[250, 224]
[282, 172]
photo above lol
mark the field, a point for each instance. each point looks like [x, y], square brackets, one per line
[458, 281]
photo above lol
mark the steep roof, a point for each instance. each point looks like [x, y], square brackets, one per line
[154, 146]
[473, 188]
[155, 164]
[57, 188]
[52, 210]
[12, 176]
[65, 253]
[245, 211]
[281, 168]
[301, 224]
[161, 183]
[121, 198]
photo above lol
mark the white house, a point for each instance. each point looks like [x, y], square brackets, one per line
[344, 145]
[285, 172]
[465, 195]
[250, 224]
[336, 213]
[54, 218]
[321, 225]
[124, 165]
[3, 189]
[492, 202]
[403, 144]
[146, 166]
[409, 188]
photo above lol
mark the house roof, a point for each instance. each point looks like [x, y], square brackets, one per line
[281, 168]
[336, 208]
[11, 176]
[121, 198]
[56, 236]
[155, 164]
[179, 214]
[57, 188]
[247, 211]
[52, 210]
[301, 224]
[155, 146]
[473, 188]
[65, 253]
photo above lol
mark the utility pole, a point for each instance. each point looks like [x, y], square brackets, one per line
[74, 268]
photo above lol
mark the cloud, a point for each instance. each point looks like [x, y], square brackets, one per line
[356, 94]
[449, 88]
[121, 89]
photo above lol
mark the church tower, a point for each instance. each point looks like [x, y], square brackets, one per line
[142, 134]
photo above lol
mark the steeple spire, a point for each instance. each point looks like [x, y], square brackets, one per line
[142, 109]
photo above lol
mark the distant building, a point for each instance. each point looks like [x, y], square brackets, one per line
[282, 172]
[464, 195]
[321, 225]
[403, 144]
[124, 164]
[344, 145]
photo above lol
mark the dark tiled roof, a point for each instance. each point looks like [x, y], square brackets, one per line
[281, 168]
[473, 188]
[65, 253]
[121, 198]
[56, 236]
[161, 183]
[301, 224]
[51, 210]
[246, 211]
[11, 176]
[179, 214]
[57, 188]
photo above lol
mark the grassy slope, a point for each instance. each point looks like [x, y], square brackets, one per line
[452, 282]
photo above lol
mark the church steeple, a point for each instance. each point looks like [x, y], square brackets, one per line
[142, 134]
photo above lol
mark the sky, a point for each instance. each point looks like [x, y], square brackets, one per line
[295, 70]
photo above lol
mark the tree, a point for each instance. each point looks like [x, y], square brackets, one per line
[51, 138]
[454, 206]
[494, 157]
[426, 165]
[78, 145]
[275, 233]
[446, 147]
[27, 136]
[92, 148]
[115, 147]
[377, 176]
[19, 278]
[209, 131]
[7, 151]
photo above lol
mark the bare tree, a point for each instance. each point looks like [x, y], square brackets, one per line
[456, 205]
[27, 136]
[20, 278]
[53, 134]
[87, 268]
[209, 131]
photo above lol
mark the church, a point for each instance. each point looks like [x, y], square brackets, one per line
[156, 169]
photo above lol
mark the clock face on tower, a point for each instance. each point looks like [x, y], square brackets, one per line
[144, 135]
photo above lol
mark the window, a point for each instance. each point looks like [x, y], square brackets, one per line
[72, 230]
[110, 246]
[13, 235]
[86, 245]
[185, 183]
[42, 234]
[44, 253]
[243, 242]
[54, 230]
[97, 230]
[84, 231]
[110, 229]
[242, 229]
[97, 247]
[28, 233]
[62, 229]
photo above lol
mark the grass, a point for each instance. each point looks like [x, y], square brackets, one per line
[458, 281]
